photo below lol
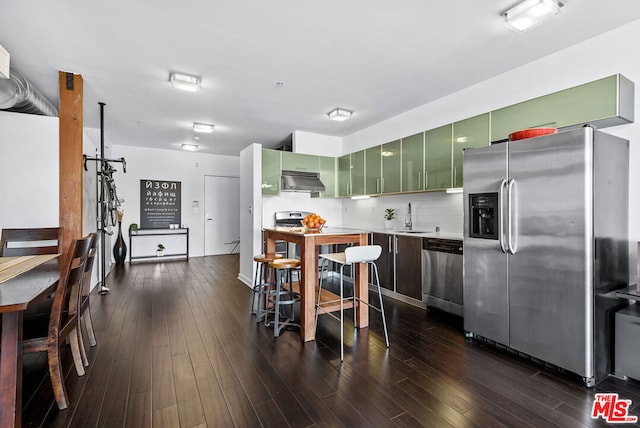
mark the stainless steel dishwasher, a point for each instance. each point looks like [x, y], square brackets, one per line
[442, 274]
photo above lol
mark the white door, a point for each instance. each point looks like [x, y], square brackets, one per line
[221, 215]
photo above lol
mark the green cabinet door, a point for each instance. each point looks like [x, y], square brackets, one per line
[413, 163]
[300, 162]
[270, 172]
[438, 157]
[603, 102]
[328, 176]
[357, 173]
[344, 175]
[391, 167]
[468, 133]
[373, 171]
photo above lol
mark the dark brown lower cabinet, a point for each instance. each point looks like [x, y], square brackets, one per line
[409, 266]
[385, 262]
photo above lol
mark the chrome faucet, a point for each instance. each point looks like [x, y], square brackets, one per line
[407, 223]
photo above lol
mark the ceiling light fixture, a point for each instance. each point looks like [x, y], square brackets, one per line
[203, 127]
[190, 147]
[454, 190]
[185, 82]
[339, 114]
[531, 13]
[361, 197]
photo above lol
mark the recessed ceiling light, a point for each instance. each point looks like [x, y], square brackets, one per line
[203, 127]
[339, 114]
[196, 138]
[190, 147]
[530, 13]
[185, 82]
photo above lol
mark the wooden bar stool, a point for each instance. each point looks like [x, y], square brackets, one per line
[282, 296]
[260, 285]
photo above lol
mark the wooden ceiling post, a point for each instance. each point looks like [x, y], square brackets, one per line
[70, 117]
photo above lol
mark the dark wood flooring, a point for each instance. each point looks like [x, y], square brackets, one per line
[178, 348]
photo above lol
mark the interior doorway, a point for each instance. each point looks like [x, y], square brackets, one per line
[221, 215]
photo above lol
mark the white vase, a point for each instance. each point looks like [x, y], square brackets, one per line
[388, 224]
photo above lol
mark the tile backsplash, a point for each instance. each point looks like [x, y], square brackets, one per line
[429, 210]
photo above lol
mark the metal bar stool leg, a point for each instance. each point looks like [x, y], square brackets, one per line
[384, 320]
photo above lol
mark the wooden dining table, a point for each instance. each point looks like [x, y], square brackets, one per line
[309, 242]
[23, 280]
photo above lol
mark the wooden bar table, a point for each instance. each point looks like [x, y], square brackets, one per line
[310, 242]
[15, 296]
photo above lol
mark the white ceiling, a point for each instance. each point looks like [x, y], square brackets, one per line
[377, 58]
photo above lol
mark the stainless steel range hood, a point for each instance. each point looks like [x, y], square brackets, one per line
[296, 181]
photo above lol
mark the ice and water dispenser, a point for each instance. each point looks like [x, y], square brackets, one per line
[483, 215]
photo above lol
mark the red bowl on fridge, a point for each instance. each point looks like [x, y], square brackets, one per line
[530, 133]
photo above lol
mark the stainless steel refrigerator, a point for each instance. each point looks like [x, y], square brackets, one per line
[545, 243]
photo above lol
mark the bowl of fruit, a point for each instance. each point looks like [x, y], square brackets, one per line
[313, 222]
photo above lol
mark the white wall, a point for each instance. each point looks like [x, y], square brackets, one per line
[316, 144]
[90, 197]
[428, 211]
[610, 53]
[187, 167]
[328, 208]
[250, 210]
[29, 172]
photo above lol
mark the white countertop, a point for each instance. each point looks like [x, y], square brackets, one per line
[422, 233]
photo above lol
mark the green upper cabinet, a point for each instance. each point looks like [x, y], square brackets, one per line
[357, 173]
[438, 157]
[391, 167]
[468, 133]
[300, 162]
[270, 172]
[603, 102]
[344, 175]
[328, 175]
[373, 170]
[413, 163]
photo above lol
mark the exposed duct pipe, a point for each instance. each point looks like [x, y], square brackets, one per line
[19, 95]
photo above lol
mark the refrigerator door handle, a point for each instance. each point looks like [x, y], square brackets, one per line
[503, 184]
[510, 223]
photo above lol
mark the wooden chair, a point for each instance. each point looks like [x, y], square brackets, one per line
[33, 241]
[85, 309]
[63, 320]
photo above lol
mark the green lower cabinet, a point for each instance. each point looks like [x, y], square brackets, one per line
[413, 163]
[391, 167]
[300, 162]
[438, 157]
[328, 176]
[373, 171]
[603, 102]
[468, 133]
[344, 175]
[271, 172]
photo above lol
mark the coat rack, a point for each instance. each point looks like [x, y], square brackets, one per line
[108, 202]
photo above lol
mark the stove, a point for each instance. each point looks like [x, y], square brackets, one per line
[289, 218]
